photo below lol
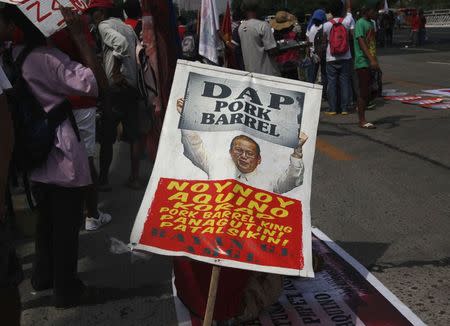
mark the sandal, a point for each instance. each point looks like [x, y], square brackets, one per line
[368, 125]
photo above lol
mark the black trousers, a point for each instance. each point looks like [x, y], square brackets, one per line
[56, 245]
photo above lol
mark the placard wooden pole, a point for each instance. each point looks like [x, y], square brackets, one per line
[207, 321]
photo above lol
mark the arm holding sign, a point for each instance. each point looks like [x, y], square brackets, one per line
[293, 176]
[75, 27]
[193, 146]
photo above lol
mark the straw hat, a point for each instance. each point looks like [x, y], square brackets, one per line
[283, 20]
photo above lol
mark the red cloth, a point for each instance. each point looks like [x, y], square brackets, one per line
[292, 55]
[17, 36]
[227, 35]
[192, 280]
[100, 4]
[415, 23]
[226, 24]
[181, 31]
[131, 22]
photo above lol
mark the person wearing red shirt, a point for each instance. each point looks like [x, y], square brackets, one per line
[181, 27]
[418, 23]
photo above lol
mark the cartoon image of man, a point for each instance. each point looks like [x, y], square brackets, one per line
[245, 157]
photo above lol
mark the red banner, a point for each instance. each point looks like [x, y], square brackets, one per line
[227, 221]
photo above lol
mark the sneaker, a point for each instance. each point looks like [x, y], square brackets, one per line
[330, 112]
[371, 106]
[344, 113]
[93, 224]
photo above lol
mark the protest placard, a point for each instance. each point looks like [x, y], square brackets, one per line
[45, 14]
[231, 182]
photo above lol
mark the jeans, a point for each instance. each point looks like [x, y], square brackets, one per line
[421, 37]
[338, 73]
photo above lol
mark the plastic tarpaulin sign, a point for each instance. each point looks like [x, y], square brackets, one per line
[45, 14]
[231, 183]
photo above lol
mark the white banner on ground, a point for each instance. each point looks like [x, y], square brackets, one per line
[440, 92]
[227, 186]
[46, 15]
[209, 25]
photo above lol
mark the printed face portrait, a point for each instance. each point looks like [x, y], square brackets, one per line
[245, 153]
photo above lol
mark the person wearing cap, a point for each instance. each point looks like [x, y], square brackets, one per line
[258, 44]
[119, 42]
[284, 25]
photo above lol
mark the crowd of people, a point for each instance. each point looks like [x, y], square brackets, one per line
[61, 95]
[344, 51]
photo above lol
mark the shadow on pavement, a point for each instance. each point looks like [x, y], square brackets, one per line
[392, 121]
[367, 253]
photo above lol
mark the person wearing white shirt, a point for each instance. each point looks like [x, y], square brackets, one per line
[245, 156]
[339, 66]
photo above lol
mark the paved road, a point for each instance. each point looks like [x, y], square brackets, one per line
[384, 195]
[388, 202]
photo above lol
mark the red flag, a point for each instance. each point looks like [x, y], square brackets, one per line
[226, 24]
[227, 32]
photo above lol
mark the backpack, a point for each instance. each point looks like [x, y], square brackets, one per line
[188, 47]
[338, 38]
[319, 47]
[34, 129]
[146, 76]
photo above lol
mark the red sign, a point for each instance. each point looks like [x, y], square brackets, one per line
[226, 222]
[403, 98]
[424, 101]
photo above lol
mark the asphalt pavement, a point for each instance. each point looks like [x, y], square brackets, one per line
[383, 195]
